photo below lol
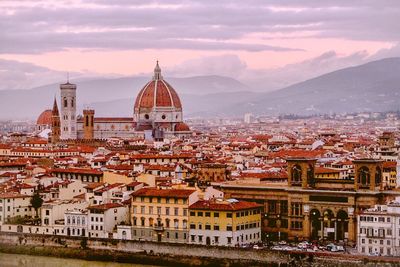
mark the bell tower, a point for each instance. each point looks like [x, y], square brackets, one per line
[301, 172]
[68, 111]
[55, 123]
[88, 124]
[368, 174]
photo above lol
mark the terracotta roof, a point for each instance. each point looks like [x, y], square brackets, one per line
[320, 170]
[77, 170]
[157, 93]
[106, 206]
[182, 127]
[154, 192]
[223, 205]
[44, 118]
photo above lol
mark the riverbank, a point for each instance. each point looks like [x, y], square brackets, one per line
[169, 254]
[125, 257]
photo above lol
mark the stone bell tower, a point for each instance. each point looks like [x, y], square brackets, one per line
[301, 172]
[88, 124]
[55, 123]
[68, 111]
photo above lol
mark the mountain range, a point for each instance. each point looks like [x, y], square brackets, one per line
[374, 86]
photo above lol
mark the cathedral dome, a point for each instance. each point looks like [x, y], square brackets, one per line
[44, 118]
[157, 93]
[182, 127]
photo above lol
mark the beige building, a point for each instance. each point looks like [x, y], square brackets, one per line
[161, 214]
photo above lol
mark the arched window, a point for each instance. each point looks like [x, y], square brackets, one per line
[176, 224]
[378, 176]
[72, 102]
[310, 175]
[296, 174]
[68, 220]
[73, 220]
[83, 220]
[364, 177]
[78, 221]
[65, 102]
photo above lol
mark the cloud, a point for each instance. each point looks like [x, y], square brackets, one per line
[225, 65]
[21, 75]
[43, 26]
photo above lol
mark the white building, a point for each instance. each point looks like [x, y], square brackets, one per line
[103, 219]
[76, 222]
[15, 204]
[379, 230]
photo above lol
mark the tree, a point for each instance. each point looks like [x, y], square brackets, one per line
[36, 202]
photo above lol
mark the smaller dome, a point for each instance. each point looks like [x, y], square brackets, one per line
[182, 127]
[44, 118]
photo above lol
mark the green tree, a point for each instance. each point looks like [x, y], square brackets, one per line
[36, 202]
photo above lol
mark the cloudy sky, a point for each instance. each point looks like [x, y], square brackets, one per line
[265, 44]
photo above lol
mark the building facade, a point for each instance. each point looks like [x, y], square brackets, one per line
[225, 222]
[379, 230]
[161, 215]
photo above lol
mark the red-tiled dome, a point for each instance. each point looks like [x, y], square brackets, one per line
[44, 118]
[182, 127]
[157, 93]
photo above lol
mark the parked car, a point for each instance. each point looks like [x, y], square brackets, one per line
[257, 247]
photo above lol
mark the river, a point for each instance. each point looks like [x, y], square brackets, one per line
[20, 260]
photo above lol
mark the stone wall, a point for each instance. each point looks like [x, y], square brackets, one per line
[147, 247]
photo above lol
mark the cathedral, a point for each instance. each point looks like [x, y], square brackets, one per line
[157, 114]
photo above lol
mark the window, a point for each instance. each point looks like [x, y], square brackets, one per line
[296, 209]
[192, 213]
[207, 214]
[229, 215]
[176, 211]
[176, 224]
[142, 209]
[200, 239]
[216, 227]
[200, 214]
[184, 212]
[208, 227]
[216, 214]
[47, 212]
[229, 228]
[150, 210]
[176, 201]
[167, 211]
[192, 226]
[158, 210]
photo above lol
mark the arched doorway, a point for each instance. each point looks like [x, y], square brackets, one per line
[315, 224]
[342, 225]
[328, 225]
[208, 241]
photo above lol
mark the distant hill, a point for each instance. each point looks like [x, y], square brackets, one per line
[374, 86]
[113, 97]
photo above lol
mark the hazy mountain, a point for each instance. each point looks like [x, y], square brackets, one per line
[113, 97]
[374, 86]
